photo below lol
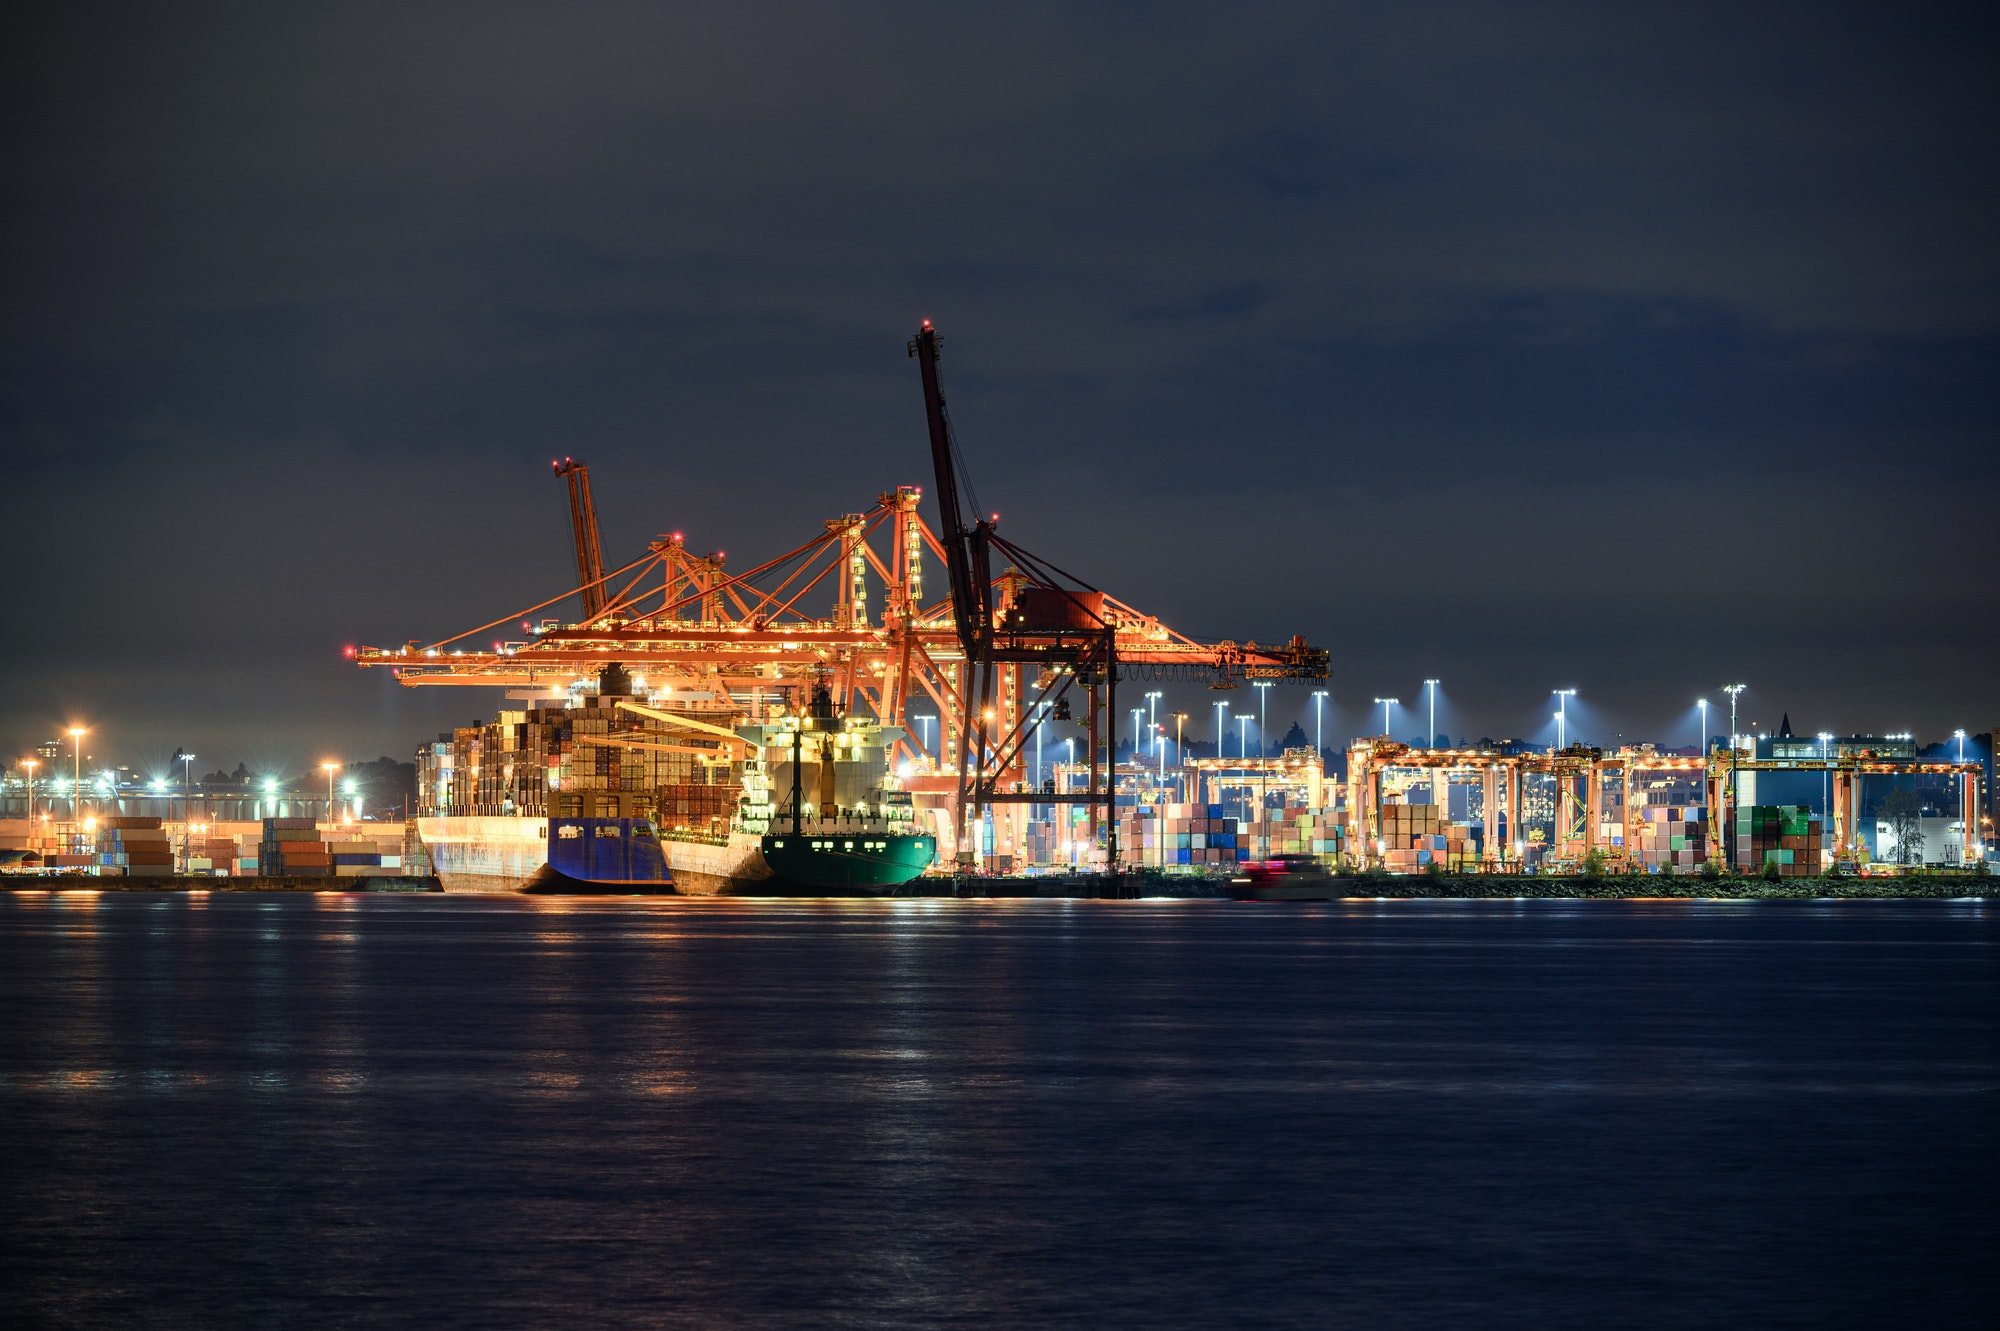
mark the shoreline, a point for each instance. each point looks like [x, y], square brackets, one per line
[1348, 887]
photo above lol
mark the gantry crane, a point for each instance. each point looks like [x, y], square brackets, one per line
[750, 640]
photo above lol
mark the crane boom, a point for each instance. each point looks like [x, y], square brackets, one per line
[583, 524]
[964, 547]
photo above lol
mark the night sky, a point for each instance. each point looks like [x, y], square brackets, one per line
[1636, 350]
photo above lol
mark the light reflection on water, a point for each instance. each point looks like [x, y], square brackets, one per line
[605, 1111]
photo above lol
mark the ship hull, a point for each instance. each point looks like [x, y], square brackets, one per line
[498, 854]
[485, 854]
[706, 869]
[847, 864]
[551, 881]
[489, 854]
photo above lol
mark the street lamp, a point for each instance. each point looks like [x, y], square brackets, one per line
[1825, 788]
[1180, 754]
[1732, 690]
[1432, 685]
[187, 801]
[1960, 736]
[1160, 750]
[1387, 703]
[187, 786]
[31, 764]
[1137, 712]
[1221, 728]
[1703, 704]
[1243, 739]
[1562, 717]
[329, 768]
[76, 734]
[1319, 728]
[1041, 715]
[1735, 756]
[1153, 697]
[1263, 768]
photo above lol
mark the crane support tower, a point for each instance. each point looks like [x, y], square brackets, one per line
[583, 526]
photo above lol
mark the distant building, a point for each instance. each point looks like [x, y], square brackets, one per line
[1941, 841]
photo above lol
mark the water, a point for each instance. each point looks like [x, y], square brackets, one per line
[321, 1110]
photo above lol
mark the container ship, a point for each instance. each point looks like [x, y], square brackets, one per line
[794, 800]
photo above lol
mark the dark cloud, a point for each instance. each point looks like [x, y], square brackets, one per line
[1494, 343]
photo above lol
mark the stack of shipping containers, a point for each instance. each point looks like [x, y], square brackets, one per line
[139, 846]
[1785, 835]
[572, 762]
[292, 848]
[1417, 836]
[1172, 836]
[1670, 835]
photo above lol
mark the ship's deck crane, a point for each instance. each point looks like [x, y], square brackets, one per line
[583, 523]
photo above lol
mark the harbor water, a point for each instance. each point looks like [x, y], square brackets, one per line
[512, 1111]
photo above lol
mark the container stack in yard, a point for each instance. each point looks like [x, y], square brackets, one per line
[1416, 836]
[137, 846]
[1192, 836]
[292, 848]
[1295, 831]
[1675, 835]
[213, 855]
[1785, 835]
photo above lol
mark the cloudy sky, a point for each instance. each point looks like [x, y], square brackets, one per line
[1635, 348]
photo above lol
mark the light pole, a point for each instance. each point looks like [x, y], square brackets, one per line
[1263, 769]
[1562, 717]
[1041, 716]
[76, 734]
[187, 802]
[329, 768]
[1387, 703]
[1180, 754]
[1732, 690]
[1137, 712]
[30, 765]
[1242, 741]
[1432, 685]
[1221, 728]
[1703, 746]
[1960, 736]
[1734, 756]
[1153, 697]
[1160, 748]
[1319, 728]
[1825, 790]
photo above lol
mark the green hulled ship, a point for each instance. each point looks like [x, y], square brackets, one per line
[817, 842]
[862, 861]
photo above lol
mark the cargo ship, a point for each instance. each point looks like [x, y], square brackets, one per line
[698, 777]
